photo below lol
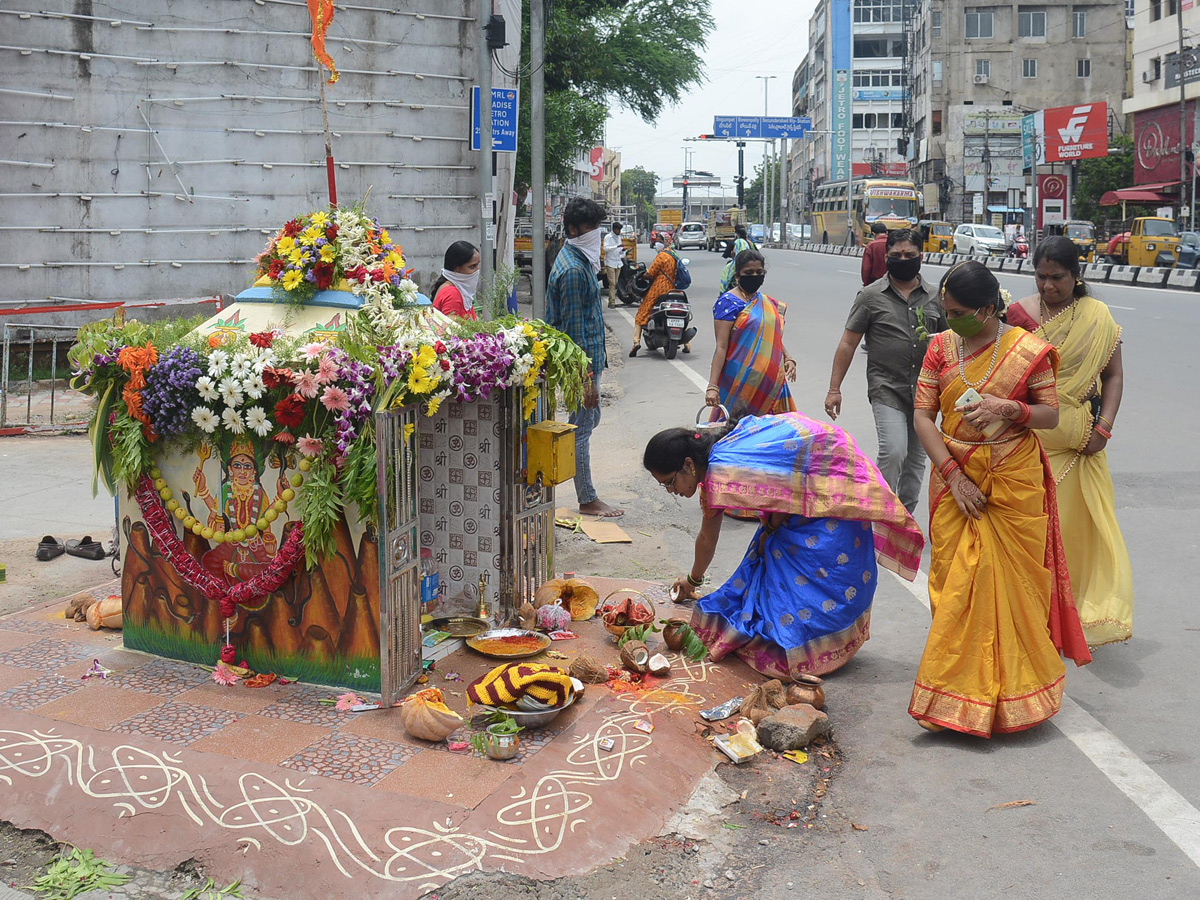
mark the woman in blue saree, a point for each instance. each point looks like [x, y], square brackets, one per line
[800, 601]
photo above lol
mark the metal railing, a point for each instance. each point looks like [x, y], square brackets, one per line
[31, 336]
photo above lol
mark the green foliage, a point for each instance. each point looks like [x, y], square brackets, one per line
[498, 723]
[359, 476]
[130, 450]
[494, 297]
[754, 191]
[642, 55]
[320, 501]
[637, 633]
[210, 891]
[638, 189]
[1106, 173]
[693, 648]
[74, 873]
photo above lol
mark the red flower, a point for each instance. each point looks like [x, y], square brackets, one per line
[262, 339]
[445, 365]
[275, 268]
[378, 275]
[275, 378]
[323, 273]
[292, 228]
[289, 412]
[331, 233]
[439, 347]
[358, 273]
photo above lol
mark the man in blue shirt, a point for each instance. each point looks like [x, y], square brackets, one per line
[573, 307]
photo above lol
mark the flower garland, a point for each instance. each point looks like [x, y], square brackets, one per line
[158, 523]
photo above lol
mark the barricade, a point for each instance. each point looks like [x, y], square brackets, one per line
[1186, 279]
[1152, 275]
[1123, 274]
[1011, 265]
[1097, 271]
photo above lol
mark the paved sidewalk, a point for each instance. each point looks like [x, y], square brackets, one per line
[157, 764]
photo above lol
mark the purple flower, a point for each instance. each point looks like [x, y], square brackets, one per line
[170, 392]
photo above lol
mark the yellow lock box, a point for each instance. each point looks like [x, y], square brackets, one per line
[550, 452]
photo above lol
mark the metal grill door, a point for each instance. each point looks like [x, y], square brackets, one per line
[399, 553]
[527, 532]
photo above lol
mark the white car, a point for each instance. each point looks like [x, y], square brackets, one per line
[691, 234]
[980, 240]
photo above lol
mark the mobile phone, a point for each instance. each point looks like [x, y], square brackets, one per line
[970, 395]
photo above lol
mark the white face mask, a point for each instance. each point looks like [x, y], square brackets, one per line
[588, 244]
[467, 285]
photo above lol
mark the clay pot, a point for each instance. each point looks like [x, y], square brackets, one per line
[807, 689]
[673, 633]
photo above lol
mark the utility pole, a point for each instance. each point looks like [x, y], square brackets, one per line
[741, 181]
[486, 194]
[1182, 106]
[762, 202]
[537, 146]
[987, 161]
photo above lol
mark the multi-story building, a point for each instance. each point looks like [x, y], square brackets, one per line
[1161, 130]
[877, 92]
[978, 67]
[606, 176]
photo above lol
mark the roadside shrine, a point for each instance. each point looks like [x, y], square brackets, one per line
[281, 466]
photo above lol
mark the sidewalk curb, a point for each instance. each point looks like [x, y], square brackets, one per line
[1127, 274]
[7, 893]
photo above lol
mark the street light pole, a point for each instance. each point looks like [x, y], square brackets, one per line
[487, 209]
[537, 150]
[762, 202]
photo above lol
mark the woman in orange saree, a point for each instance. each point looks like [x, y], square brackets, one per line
[998, 582]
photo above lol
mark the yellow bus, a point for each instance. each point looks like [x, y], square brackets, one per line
[895, 203]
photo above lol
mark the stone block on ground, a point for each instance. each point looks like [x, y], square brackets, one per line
[793, 727]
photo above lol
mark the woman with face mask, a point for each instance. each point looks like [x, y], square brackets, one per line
[800, 601]
[1090, 384]
[999, 588]
[454, 291]
[750, 366]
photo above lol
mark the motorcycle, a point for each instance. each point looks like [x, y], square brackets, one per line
[632, 283]
[1019, 248]
[670, 324]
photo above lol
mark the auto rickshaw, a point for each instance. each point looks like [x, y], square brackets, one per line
[936, 236]
[1082, 235]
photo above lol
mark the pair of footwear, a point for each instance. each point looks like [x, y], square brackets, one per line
[50, 547]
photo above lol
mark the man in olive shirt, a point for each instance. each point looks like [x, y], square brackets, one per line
[897, 313]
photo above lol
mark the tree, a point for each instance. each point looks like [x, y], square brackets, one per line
[643, 55]
[1105, 173]
[638, 189]
[754, 192]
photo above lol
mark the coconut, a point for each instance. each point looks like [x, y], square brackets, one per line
[579, 597]
[635, 657]
[659, 665]
[526, 616]
[588, 670]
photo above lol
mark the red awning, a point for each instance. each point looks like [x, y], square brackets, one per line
[1142, 193]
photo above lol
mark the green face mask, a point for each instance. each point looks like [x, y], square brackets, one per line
[967, 326]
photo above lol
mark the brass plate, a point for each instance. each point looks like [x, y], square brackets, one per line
[543, 641]
[460, 626]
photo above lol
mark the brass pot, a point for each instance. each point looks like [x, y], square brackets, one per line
[501, 746]
[807, 689]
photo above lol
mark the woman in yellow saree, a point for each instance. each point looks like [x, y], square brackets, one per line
[998, 582]
[1090, 384]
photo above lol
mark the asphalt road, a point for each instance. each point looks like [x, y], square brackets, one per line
[1114, 778]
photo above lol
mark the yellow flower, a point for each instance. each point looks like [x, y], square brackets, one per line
[327, 253]
[529, 404]
[434, 405]
[384, 237]
[408, 431]
[528, 330]
[291, 278]
[310, 235]
[419, 380]
[320, 220]
[284, 245]
[296, 257]
[396, 260]
[426, 357]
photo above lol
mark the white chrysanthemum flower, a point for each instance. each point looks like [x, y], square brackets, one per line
[207, 388]
[232, 420]
[241, 366]
[265, 357]
[231, 391]
[204, 419]
[257, 421]
[254, 387]
[217, 360]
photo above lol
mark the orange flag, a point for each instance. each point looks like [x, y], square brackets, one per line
[321, 13]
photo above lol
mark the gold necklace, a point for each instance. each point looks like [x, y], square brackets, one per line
[1047, 319]
[962, 353]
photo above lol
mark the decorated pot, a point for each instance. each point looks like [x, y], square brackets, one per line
[502, 746]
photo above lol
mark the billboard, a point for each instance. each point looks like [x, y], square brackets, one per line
[1075, 132]
[1157, 143]
[596, 158]
[840, 140]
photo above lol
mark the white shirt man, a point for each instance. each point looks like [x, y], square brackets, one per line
[614, 254]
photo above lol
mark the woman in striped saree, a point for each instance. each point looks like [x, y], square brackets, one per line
[750, 366]
[998, 582]
[800, 601]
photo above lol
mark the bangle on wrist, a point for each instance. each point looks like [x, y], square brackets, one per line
[1106, 421]
[835, 390]
[948, 468]
[695, 582]
[1102, 431]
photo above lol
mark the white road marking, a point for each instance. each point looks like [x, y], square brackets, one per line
[689, 373]
[1130, 308]
[849, 272]
[1170, 812]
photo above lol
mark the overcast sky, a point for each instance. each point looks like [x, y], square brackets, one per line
[749, 38]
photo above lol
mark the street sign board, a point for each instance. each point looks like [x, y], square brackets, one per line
[785, 126]
[724, 126]
[504, 119]
[749, 127]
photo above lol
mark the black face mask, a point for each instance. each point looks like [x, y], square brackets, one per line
[904, 269]
[751, 283]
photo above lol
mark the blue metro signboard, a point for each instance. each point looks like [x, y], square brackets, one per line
[769, 128]
[504, 119]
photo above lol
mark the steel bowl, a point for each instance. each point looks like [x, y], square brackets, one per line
[529, 720]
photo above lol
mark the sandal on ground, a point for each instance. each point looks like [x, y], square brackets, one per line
[48, 548]
[634, 351]
[687, 348]
[86, 548]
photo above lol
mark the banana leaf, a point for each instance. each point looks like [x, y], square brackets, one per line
[98, 432]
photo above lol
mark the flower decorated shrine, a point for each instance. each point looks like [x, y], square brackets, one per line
[282, 467]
